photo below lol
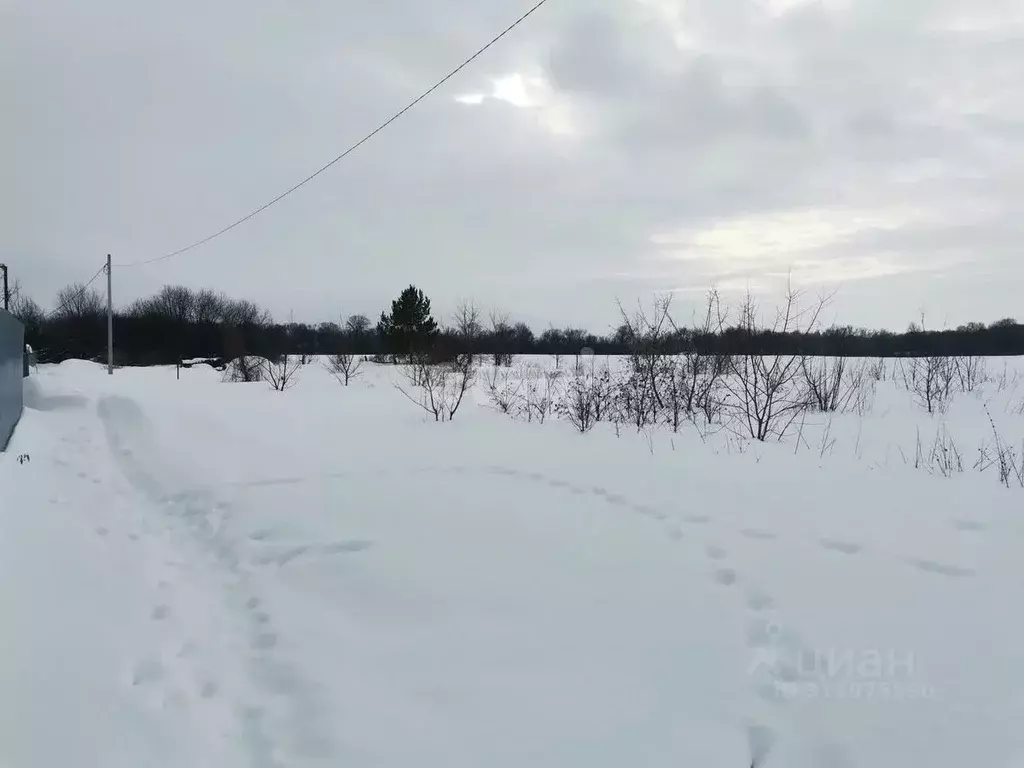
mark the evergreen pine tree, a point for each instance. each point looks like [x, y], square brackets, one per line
[409, 329]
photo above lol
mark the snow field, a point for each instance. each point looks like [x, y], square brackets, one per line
[200, 573]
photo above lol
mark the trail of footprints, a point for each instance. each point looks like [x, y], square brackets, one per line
[772, 650]
[675, 531]
[774, 666]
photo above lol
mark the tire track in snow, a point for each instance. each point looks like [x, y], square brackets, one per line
[281, 727]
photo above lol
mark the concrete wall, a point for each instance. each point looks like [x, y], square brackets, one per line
[12, 362]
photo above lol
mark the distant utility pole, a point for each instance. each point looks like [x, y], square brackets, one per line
[110, 322]
[7, 293]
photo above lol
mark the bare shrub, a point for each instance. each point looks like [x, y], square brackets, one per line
[1002, 379]
[767, 390]
[677, 400]
[282, 372]
[580, 404]
[344, 367]
[836, 385]
[441, 387]
[929, 380]
[1007, 460]
[971, 372]
[942, 457]
[541, 393]
[824, 379]
[651, 367]
[634, 399]
[244, 369]
[702, 371]
[876, 369]
[503, 389]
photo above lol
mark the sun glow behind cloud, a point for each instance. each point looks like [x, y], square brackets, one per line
[527, 93]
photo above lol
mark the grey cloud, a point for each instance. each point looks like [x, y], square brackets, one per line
[138, 129]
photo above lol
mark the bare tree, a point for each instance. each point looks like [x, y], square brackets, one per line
[344, 367]
[467, 326]
[31, 315]
[442, 387]
[208, 307]
[282, 372]
[77, 301]
[501, 337]
[245, 313]
[357, 325]
[766, 391]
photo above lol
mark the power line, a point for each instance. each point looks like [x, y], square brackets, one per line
[351, 149]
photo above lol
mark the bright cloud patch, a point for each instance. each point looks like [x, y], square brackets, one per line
[527, 93]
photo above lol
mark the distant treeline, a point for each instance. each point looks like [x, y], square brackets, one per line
[179, 323]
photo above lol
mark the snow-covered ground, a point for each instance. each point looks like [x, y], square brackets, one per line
[195, 574]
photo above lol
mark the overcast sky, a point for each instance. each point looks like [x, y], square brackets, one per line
[605, 149]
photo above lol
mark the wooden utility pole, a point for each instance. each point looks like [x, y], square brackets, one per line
[110, 322]
[7, 293]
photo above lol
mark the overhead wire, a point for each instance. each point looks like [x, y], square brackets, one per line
[347, 152]
[78, 292]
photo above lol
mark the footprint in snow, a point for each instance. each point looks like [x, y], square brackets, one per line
[647, 511]
[716, 553]
[341, 547]
[160, 613]
[147, 671]
[969, 525]
[726, 577]
[758, 534]
[697, 519]
[837, 545]
[757, 600]
[942, 569]
[265, 641]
